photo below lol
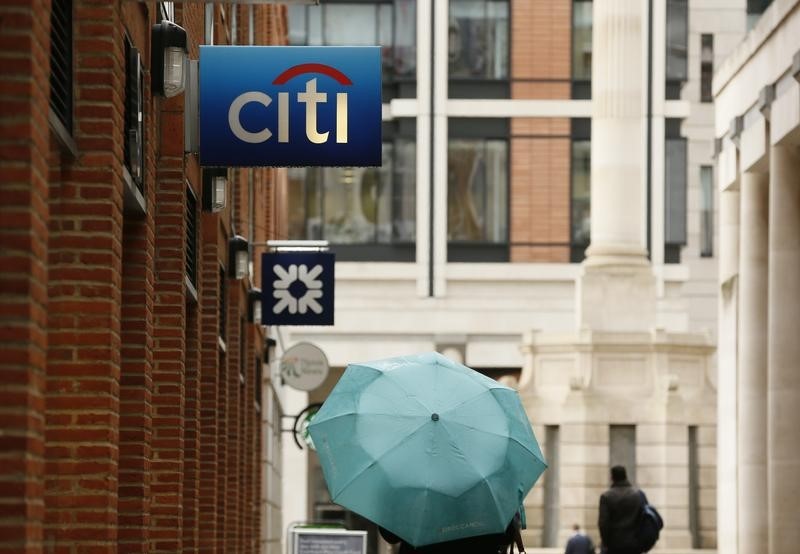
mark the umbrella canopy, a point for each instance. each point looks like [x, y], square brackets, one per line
[426, 448]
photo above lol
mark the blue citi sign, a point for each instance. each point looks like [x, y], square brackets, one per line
[284, 106]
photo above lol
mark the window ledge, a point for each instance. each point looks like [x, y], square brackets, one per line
[191, 291]
[134, 203]
[64, 137]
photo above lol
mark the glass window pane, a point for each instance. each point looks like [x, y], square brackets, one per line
[582, 40]
[478, 39]
[297, 25]
[351, 205]
[404, 197]
[314, 28]
[405, 38]
[675, 183]
[581, 192]
[351, 24]
[477, 191]
[707, 211]
[677, 39]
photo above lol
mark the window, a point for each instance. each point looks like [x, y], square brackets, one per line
[622, 449]
[365, 213]
[477, 192]
[242, 351]
[392, 24]
[675, 192]
[582, 49]
[134, 115]
[694, 489]
[580, 189]
[478, 39]
[209, 23]
[706, 67]
[677, 47]
[223, 306]
[754, 10]
[61, 63]
[551, 486]
[258, 383]
[191, 236]
[706, 211]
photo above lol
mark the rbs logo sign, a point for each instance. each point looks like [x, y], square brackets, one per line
[290, 106]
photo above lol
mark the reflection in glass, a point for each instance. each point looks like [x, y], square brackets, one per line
[706, 211]
[356, 205]
[478, 39]
[581, 192]
[582, 40]
[477, 191]
[677, 40]
[391, 25]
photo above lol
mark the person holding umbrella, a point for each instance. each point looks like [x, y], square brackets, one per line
[430, 450]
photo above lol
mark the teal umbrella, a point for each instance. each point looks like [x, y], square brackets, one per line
[426, 448]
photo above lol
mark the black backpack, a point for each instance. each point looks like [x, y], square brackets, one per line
[650, 525]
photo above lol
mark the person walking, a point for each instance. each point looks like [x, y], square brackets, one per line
[620, 509]
[579, 542]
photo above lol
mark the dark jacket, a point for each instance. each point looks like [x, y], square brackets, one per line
[579, 544]
[620, 509]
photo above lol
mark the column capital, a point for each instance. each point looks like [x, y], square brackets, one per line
[765, 99]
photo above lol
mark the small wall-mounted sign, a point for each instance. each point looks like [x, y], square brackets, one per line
[304, 366]
[297, 288]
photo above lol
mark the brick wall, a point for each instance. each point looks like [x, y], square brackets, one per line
[24, 150]
[125, 425]
[540, 148]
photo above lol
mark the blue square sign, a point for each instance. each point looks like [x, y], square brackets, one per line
[297, 288]
[285, 106]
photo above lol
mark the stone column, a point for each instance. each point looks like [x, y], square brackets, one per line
[784, 350]
[752, 353]
[617, 290]
[727, 361]
[618, 133]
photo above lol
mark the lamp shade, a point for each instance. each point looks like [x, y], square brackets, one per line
[168, 58]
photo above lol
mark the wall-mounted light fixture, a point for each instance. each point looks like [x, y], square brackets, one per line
[269, 350]
[215, 188]
[238, 257]
[254, 305]
[168, 54]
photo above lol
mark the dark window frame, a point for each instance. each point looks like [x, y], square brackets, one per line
[674, 82]
[192, 234]
[483, 129]
[62, 73]
[222, 313]
[581, 88]
[706, 67]
[707, 213]
[675, 236]
[580, 131]
[134, 116]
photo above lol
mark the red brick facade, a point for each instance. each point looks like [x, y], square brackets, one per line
[541, 68]
[129, 421]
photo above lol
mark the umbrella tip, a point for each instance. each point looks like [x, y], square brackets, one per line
[435, 417]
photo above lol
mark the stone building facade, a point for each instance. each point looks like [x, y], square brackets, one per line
[757, 130]
[132, 412]
[518, 159]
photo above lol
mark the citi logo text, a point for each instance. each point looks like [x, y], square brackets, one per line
[310, 97]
